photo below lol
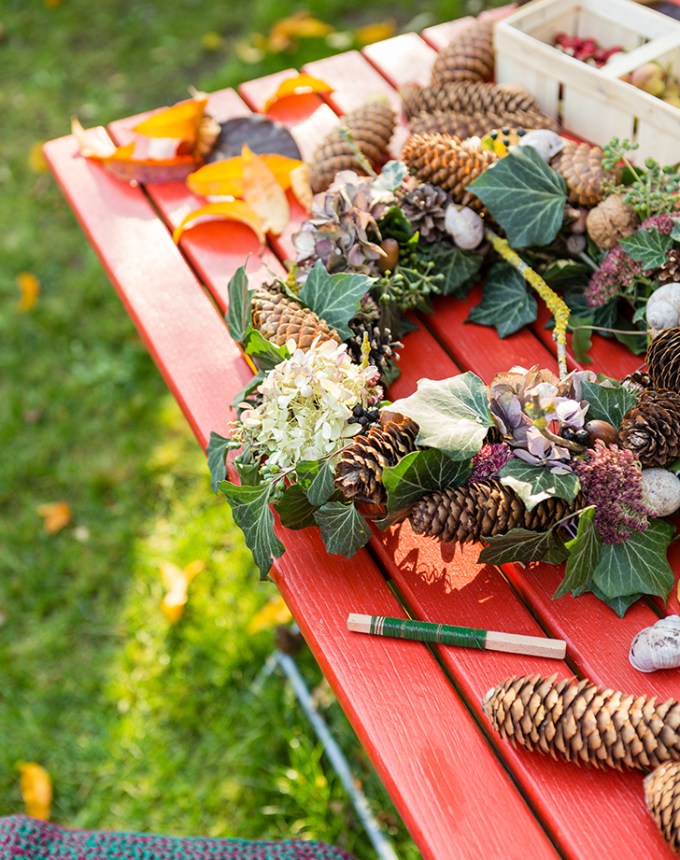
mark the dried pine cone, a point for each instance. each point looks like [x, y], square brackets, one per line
[651, 429]
[383, 349]
[477, 124]
[467, 97]
[663, 360]
[358, 474]
[669, 273]
[448, 163]
[370, 128]
[486, 508]
[279, 318]
[581, 723]
[637, 382]
[612, 219]
[662, 795]
[581, 166]
[468, 56]
[425, 207]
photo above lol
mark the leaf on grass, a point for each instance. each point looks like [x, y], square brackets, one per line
[317, 477]
[264, 353]
[225, 178]
[272, 614]
[334, 298]
[29, 291]
[56, 516]
[506, 302]
[648, 247]
[301, 25]
[421, 472]
[523, 545]
[251, 512]
[232, 210]
[301, 186]
[181, 121]
[639, 565]
[263, 194]
[534, 484]
[375, 32]
[240, 300]
[607, 404]
[525, 196]
[343, 529]
[36, 158]
[295, 509]
[299, 85]
[35, 785]
[176, 581]
[452, 414]
[584, 553]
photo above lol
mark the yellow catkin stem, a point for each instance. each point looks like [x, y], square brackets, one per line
[558, 308]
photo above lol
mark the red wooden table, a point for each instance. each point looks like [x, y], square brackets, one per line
[460, 790]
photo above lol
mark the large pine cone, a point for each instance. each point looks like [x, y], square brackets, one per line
[449, 163]
[581, 166]
[581, 723]
[278, 318]
[371, 126]
[662, 794]
[483, 509]
[663, 360]
[467, 97]
[469, 55]
[651, 429]
[477, 124]
[358, 474]
[669, 273]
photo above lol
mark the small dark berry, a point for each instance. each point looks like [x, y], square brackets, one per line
[358, 410]
[363, 420]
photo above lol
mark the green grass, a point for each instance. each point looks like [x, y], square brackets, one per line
[142, 725]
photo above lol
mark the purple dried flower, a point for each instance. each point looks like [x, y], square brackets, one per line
[611, 479]
[488, 461]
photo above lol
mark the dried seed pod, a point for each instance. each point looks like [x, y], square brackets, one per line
[657, 646]
[662, 795]
[612, 219]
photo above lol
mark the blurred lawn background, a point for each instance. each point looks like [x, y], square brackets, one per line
[142, 725]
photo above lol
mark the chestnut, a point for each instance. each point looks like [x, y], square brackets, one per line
[603, 430]
[391, 258]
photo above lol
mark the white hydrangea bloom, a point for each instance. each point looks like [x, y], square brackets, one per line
[307, 400]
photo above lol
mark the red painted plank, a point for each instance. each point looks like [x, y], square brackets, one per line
[440, 35]
[407, 51]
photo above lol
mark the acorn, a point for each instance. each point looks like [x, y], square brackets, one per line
[391, 258]
[603, 430]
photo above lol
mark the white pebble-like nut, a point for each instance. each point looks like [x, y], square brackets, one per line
[661, 491]
[464, 226]
[546, 143]
[661, 314]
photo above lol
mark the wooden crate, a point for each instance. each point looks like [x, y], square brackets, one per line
[592, 102]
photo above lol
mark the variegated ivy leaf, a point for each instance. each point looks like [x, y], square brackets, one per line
[534, 484]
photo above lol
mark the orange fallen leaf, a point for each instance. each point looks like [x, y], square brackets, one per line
[225, 178]
[36, 159]
[285, 33]
[181, 121]
[297, 86]
[176, 581]
[36, 790]
[263, 193]
[56, 516]
[272, 613]
[29, 289]
[232, 210]
[375, 32]
[302, 189]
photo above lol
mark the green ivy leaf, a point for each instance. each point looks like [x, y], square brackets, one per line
[584, 554]
[458, 267]
[648, 247]
[525, 196]
[523, 545]
[639, 565]
[581, 339]
[391, 176]
[251, 512]
[334, 298]
[264, 353]
[620, 605]
[506, 302]
[419, 473]
[452, 414]
[533, 484]
[217, 458]
[343, 529]
[607, 404]
[675, 232]
[240, 299]
[566, 274]
[636, 341]
[395, 225]
[317, 478]
[295, 509]
[248, 473]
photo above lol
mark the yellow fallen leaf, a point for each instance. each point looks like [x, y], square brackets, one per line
[176, 581]
[29, 289]
[36, 159]
[375, 32]
[297, 86]
[56, 516]
[36, 790]
[302, 189]
[225, 178]
[211, 41]
[263, 193]
[301, 25]
[181, 121]
[272, 613]
[232, 210]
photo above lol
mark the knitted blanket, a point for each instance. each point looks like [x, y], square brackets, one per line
[23, 838]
